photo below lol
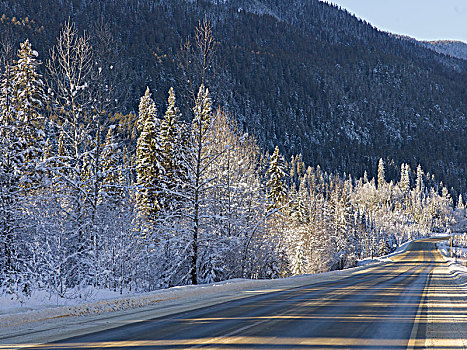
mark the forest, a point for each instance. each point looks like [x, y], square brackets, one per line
[91, 196]
[302, 75]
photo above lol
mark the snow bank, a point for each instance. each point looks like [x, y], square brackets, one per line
[37, 311]
[458, 271]
[41, 307]
[385, 258]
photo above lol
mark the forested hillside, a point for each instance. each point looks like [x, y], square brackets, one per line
[133, 159]
[299, 74]
[449, 47]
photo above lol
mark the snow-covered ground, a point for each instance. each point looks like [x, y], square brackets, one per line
[457, 266]
[42, 306]
[103, 310]
[45, 317]
[461, 221]
[401, 249]
[459, 253]
[39, 307]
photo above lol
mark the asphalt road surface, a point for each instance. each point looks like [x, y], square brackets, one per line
[410, 303]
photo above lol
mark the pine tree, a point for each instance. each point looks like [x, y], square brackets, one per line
[148, 170]
[460, 202]
[171, 154]
[29, 89]
[168, 133]
[419, 183]
[28, 101]
[277, 191]
[381, 175]
[22, 100]
[148, 166]
[365, 177]
[147, 110]
[405, 179]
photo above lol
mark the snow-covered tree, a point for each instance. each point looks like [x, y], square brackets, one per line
[28, 101]
[172, 149]
[200, 156]
[234, 201]
[76, 162]
[147, 110]
[405, 179]
[148, 166]
[29, 95]
[460, 202]
[112, 182]
[381, 174]
[22, 101]
[277, 192]
[419, 182]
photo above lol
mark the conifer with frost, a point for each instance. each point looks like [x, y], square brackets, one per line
[147, 109]
[148, 166]
[172, 149]
[460, 202]
[22, 101]
[29, 89]
[405, 179]
[381, 175]
[277, 191]
[27, 103]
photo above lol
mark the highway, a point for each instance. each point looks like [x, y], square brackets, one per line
[409, 303]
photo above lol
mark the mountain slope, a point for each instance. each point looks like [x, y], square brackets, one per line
[456, 49]
[303, 75]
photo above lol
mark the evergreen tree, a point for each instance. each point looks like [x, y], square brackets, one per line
[29, 93]
[405, 179]
[28, 101]
[148, 169]
[171, 154]
[381, 174]
[277, 190]
[419, 183]
[22, 100]
[147, 110]
[168, 134]
[460, 202]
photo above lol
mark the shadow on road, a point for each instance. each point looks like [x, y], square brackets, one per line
[411, 303]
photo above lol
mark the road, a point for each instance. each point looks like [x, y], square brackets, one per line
[410, 303]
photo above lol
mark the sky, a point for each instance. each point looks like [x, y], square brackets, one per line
[420, 19]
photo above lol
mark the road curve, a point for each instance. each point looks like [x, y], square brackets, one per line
[409, 303]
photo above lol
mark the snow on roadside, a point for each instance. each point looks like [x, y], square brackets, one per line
[385, 258]
[458, 271]
[42, 307]
[45, 311]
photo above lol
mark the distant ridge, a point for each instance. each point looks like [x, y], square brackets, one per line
[452, 48]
